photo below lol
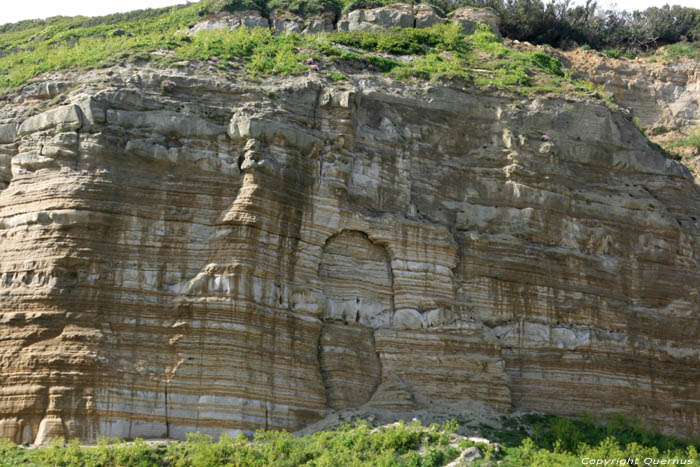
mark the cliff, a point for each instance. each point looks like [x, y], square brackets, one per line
[217, 256]
[205, 245]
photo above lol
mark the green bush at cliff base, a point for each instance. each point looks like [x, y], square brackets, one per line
[549, 440]
[530, 440]
[401, 444]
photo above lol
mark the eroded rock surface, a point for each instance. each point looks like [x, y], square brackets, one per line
[284, 22]
[232, 20]
[397, 15]
[225, 258]
[661, 95]
[402, 15]
[470, 18]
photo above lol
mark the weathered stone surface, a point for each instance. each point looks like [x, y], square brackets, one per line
[8, 132]
[466, 457]
[401, 15]
[662, 95]
[350, 365]
[224, 259]
[65, 118]
[468, 18]
[231, 20]
[284, 22]
[425, 16]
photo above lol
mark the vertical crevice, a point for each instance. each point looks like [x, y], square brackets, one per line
[267, 422]
[319, 360]
[381, 365]
[317, 107]
[167, 422]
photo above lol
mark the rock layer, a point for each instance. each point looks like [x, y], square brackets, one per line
[665, 96]
[225, 258]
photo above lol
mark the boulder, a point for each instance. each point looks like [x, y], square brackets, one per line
[8, 132]
[468, 18]
[468, 456]
[426, 16]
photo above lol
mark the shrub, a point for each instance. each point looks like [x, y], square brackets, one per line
[404, 41]
[612, 53]
[215, 6]
[306, 7]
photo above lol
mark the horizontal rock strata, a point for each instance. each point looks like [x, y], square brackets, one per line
[225, 258]
[664, 96]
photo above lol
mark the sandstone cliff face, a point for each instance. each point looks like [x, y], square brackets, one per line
[661, 95]
[224, 258]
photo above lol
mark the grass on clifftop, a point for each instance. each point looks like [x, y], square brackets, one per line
[32, 48]
[531, 440]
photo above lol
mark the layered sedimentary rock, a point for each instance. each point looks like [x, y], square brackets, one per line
[231, 20]
[665, 96]
[223, 258]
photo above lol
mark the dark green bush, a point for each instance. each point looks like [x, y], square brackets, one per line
[545, 62]
[306, 7]
[215, 6]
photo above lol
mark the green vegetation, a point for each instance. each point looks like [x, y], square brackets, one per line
[550, 440]
[554, 22]
[612, 53]
[681, 147]
[675, 52]
[259, 51]
[30, 48]
[159, 37]
[692, 140]
[530, 440]
[34, 47]
[443, 52]
[395, 445]
[561, 24]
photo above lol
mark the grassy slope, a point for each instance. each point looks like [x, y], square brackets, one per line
[528, 440]
[32, 48]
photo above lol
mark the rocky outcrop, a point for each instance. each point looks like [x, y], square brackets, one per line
[661, 95]
[223, 258]
[402, 15]
[231, 20]
[469, 18]
[285, 22]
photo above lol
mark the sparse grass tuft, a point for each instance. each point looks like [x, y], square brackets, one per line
[692, 140]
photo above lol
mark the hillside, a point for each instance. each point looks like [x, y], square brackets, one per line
[225, 221]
